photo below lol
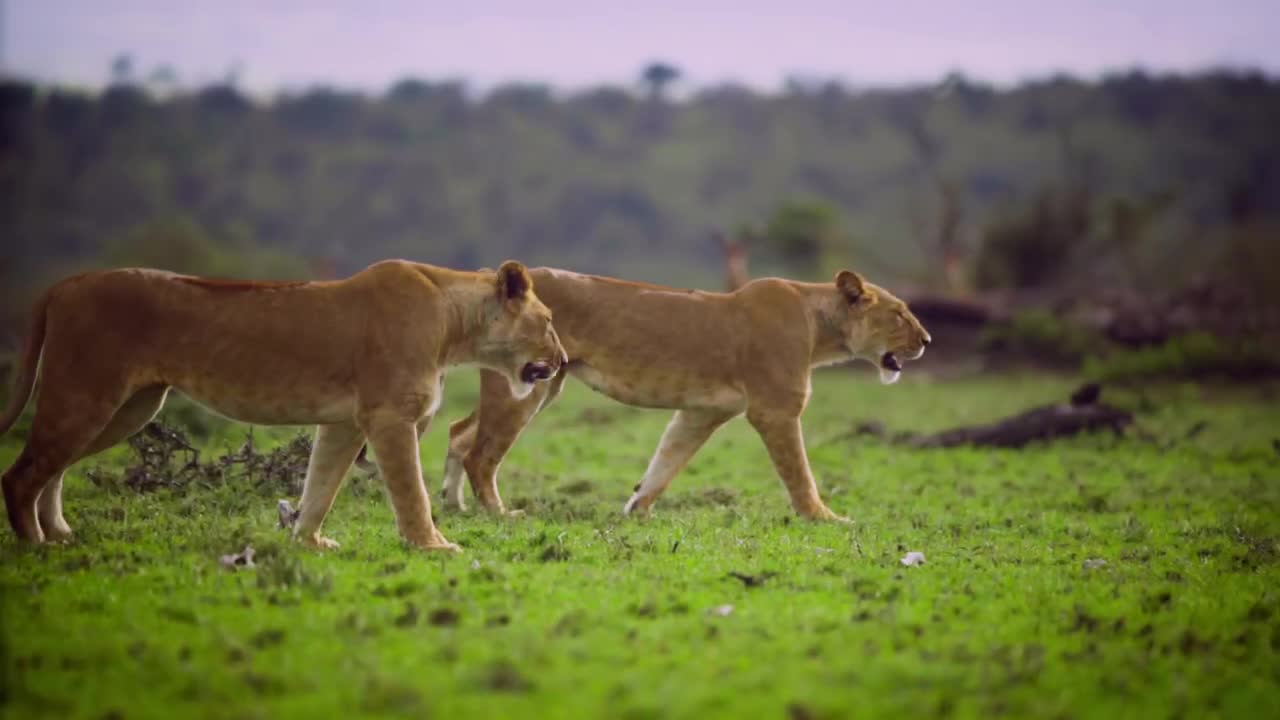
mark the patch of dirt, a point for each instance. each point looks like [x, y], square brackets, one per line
[555, 552]
[751, 580]
[444, 617]
[506, 677]
[706, 497]
[269, 637]
[577, 487]
[408, 618]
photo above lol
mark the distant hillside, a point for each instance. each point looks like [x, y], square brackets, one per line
[609, 180]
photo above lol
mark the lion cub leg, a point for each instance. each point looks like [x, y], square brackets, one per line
[684, 436]
[785, 443]
[335, 449]
[395, 446]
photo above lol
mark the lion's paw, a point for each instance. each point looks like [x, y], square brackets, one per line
[434, 542]
[439, 542]
[61, 535]
[319, 542]
[638, 506]
[824, 514]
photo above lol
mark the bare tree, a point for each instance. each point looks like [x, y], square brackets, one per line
[941, 239]
[658, 75]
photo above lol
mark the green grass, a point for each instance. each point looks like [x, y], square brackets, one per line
[573, 611]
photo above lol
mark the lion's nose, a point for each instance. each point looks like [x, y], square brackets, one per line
[925, 340]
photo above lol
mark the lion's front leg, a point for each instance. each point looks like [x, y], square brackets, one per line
[785, 442]
[481, 446]
[335, 448]
[395, 445]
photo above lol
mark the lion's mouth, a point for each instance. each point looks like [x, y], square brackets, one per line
[536, 372]
[890, 368]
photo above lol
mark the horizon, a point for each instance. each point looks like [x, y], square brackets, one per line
[573, 46]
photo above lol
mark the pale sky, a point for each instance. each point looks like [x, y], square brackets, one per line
[569, 44]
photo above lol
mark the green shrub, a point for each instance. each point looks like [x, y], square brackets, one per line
[1044, 336]
[1193, 356]
[1033, 246]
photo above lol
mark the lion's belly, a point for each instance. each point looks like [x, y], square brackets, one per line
[272, 406]
[651, 389]
[264, 379]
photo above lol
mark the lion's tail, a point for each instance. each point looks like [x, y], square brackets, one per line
[28, 366]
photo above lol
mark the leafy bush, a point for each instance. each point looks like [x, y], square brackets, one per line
[800, 232]
[179, 244]
[1043, 336]
[1195, 356]
[1034, 247]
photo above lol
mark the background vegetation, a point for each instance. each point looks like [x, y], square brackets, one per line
[1140, 180]
[1125, 230]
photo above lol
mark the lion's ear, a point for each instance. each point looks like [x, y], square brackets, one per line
[850, 284]
[513, 281]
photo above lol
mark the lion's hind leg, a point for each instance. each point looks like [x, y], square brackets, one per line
[136, 412]
[684, 436]
[49, 511]
[462, 435]
[22, 483]
[66, 424]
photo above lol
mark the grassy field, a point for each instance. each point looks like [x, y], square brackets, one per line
[1098, 577]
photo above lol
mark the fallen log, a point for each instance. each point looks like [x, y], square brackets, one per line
[1083, 413]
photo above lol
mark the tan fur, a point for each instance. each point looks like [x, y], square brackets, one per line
[710, 356]
[361, 358]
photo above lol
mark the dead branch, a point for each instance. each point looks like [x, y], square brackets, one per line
[1082, 414]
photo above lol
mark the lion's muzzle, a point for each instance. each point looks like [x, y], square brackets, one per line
[537, 371]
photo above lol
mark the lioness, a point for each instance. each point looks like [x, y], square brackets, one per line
[361, 358]
[709, 356]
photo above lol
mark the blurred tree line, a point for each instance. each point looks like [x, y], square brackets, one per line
[1138, 179]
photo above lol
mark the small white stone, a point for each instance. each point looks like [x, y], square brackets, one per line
[912, 559]
[242, 559]
[288, 515]
[720, 611]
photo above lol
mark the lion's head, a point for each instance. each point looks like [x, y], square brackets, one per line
[877, 327]
[518, 340]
